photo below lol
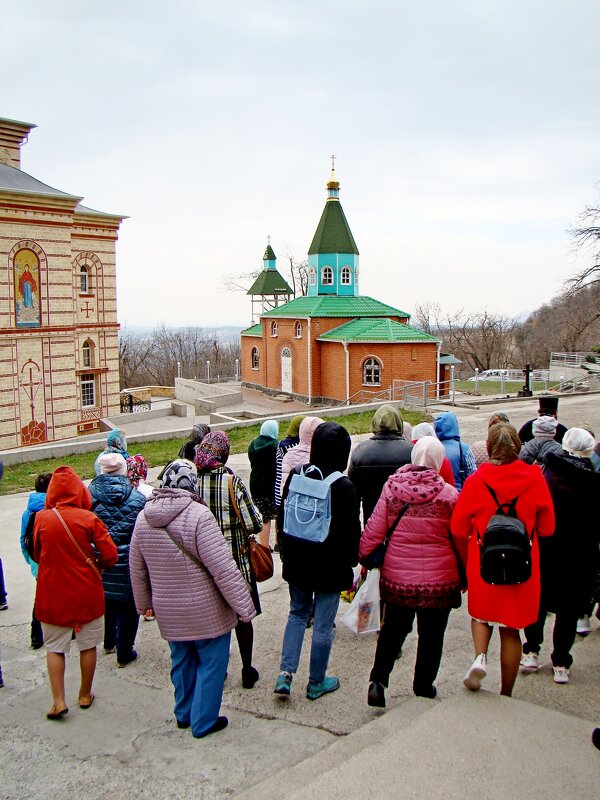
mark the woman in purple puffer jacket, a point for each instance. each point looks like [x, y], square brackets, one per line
[420, 574]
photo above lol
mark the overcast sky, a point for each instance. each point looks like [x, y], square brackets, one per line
[466, 136]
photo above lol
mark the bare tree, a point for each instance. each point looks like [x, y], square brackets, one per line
[587, 236]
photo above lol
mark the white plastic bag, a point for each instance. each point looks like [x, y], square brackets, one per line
[363, 614]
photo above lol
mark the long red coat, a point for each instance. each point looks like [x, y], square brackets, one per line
[69, 592]
[515, 606]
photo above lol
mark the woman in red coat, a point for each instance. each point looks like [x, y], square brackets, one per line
[515, 606]
[69, 595]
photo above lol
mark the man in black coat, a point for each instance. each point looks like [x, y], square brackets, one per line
[548, 407]
[373, 461]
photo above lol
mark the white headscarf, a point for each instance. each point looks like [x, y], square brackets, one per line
[423, 429]
[428, 452]
[578, 442]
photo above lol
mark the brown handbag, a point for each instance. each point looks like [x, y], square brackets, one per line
[261, 560]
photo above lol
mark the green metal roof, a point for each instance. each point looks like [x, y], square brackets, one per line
[269, 254]
[333, 234]
[334, 306]
[376, 330]
[254, 330]
[269, 282]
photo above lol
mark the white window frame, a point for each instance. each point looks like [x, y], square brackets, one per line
[312, 278]
[274, 328]
[84, 279]
[87, 354]
[298, 329]
[327, 271]
[87, 383]
[346, 276]
[372, 369]
[255, 358]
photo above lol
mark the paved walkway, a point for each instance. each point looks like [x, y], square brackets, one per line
[460, 745]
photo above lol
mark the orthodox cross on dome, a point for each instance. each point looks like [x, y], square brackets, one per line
[268, 240]
[332, 163]
[87, 309]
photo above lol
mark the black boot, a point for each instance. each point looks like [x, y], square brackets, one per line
[376, 695]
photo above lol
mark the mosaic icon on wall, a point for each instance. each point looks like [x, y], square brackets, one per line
[27, 289]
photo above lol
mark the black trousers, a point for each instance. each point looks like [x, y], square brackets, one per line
[397, 624]
[121, 621]
[563, 636]
[37, 636]
[2, 586]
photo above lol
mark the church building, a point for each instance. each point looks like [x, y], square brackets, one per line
[59, 369]
[334, 344]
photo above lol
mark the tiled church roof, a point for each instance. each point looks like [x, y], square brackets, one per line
[376, 330]
[334, 306]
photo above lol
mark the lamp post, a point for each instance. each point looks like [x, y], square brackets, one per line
[179, 369]
[476, 379]
[208, 371]
[237, 369]
[452, 384]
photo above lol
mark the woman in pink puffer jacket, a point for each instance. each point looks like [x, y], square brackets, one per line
[300, 454]
[420, 574]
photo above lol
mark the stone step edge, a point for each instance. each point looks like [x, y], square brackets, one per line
[299, 775]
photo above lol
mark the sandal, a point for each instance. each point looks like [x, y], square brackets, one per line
[88, 704]
[54, 714]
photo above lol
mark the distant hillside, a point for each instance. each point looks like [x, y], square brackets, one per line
[225, 333]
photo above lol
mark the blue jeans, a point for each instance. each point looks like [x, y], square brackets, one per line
[302, 604]
[198, 672]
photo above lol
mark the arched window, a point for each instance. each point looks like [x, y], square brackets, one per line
[346, 276]
[274, 328]
[372, 372]
[298, 330]
[312, 277]
[327, 276]
[255, 358]
[84, 279]
[87, 353]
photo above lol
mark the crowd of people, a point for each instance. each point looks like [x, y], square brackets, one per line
[421, 502]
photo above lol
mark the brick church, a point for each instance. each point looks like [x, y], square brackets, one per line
[59, 370]
[334, 342]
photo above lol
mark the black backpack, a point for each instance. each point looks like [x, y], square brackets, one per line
[28, 537]
[505, 550]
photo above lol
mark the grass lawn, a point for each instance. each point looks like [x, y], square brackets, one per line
[493, 387]
[21, 477]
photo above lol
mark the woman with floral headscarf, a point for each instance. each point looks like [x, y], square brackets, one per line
[570, 558]
[180, 564]
[263, 474]
[137, 472]
[188, 448]
[512, 607]
[237, 516]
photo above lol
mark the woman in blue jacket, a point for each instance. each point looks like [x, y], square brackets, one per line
[118, 504]
[35, 502]
[459, 454]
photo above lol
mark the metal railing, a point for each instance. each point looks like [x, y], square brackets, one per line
[572, 359]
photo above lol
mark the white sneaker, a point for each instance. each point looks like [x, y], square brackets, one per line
[477, 673]
[584, 626]
[530, 662]
[561, 674]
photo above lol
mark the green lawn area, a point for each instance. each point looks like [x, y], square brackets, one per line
[21, 477]
[493, 387]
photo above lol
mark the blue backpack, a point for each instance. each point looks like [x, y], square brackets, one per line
[307, 508]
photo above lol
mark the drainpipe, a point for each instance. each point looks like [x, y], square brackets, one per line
[347, 373]
[437, 378]
[309, 365]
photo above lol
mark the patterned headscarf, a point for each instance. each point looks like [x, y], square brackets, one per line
[499, 416]
[270, 428]
[213, 452]
[180, 474]
[421, 430]
[137, 470]
[503, 444]
[116, 438]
